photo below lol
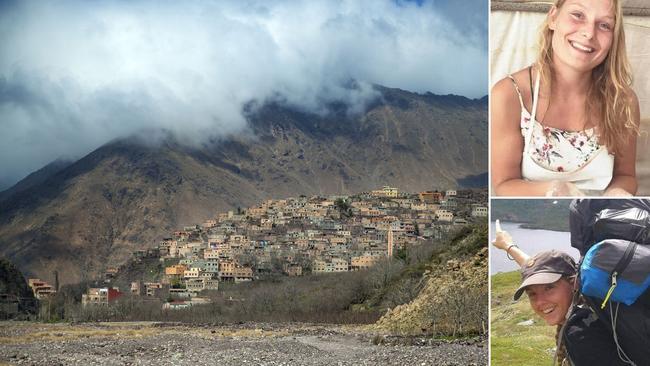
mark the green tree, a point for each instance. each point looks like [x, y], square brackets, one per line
[344, 207]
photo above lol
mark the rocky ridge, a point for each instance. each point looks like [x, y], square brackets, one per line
[453, 301]
[125, 196]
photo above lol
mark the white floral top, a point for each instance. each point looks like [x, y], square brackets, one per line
[558, 150]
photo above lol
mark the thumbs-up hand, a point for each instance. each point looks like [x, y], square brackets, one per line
[503, 240]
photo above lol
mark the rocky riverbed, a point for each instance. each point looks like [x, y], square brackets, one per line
[24, 343]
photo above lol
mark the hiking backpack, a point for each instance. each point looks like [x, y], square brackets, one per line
[613, 237]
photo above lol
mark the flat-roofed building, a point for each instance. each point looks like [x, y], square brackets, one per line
[386, 191]
[363, 261]
[444, 215]
[479, 211]
[100, 296]
[176, 270]
[41, 289]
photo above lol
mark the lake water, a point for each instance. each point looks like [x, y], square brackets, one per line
[531, 242]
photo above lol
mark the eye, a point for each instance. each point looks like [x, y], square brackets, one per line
[550, 286]
[577, 15]
[605, 26]
[531, 293]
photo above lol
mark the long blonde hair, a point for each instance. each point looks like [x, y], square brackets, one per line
[610, 92]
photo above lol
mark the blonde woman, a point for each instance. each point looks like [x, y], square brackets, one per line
[567, 125]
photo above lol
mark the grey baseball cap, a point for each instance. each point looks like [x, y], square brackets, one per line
[545, 267]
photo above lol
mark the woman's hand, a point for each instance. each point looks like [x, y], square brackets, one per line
[563, 189]
[503, 240]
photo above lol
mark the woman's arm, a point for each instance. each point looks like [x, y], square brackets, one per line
[507, 146]
[506, 143]
[504, 242]
[624, 177]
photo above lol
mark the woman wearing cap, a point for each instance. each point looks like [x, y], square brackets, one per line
[548, 278]
[567, 125]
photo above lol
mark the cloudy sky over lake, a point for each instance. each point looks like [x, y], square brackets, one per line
[77, 74]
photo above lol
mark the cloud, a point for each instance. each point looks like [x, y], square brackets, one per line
[76, 74]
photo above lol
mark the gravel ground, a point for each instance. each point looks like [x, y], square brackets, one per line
[247, 344]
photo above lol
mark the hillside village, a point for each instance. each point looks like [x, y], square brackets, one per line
[293, 237]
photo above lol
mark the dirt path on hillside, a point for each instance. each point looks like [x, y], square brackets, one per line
[250, 344]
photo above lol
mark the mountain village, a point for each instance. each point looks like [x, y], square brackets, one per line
[293, 237]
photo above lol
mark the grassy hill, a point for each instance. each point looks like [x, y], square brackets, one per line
[513, 344]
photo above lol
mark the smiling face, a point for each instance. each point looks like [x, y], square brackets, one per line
[583, 32]
[551, 301]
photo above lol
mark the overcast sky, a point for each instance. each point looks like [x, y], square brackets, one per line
[76, 74]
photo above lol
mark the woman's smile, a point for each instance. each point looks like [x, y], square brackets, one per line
[551, 301]
[550, 314]
[581, 47]
[548, 310]
[582, 33]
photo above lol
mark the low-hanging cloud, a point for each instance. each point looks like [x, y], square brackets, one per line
[76, 74]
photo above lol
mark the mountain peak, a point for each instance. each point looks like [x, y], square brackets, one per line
[129, 193]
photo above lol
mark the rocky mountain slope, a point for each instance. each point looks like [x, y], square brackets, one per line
[14, 287]
[454, 299]
[124, 196]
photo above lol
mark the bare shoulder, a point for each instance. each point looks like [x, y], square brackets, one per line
[521, 74]
[504, 95]
[505, 90]
[505, 105]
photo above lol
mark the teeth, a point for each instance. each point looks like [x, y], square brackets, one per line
[581, 47]
[547, 311]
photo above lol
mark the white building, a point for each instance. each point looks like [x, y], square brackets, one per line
[479, 211]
